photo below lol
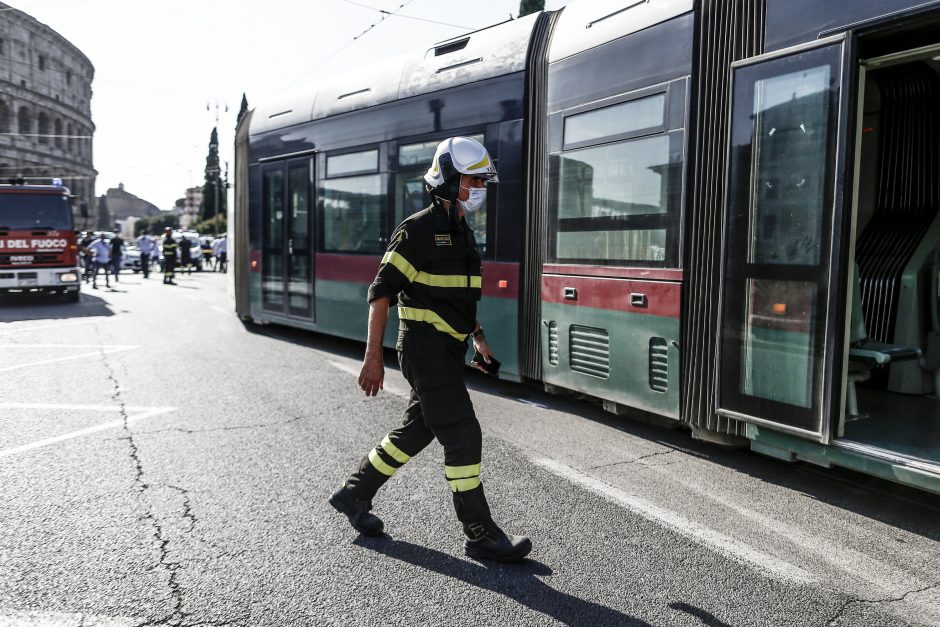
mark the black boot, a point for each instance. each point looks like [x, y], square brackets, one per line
[362, 520]
[485, 540]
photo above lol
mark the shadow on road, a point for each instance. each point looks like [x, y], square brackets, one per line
[893, 504]
[520, 582]
[707, 618]
[16, 307]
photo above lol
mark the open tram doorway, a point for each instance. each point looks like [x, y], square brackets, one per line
[892, 357]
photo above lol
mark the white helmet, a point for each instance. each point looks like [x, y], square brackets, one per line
[459, 155]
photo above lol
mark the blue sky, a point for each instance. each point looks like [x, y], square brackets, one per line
[159, 64]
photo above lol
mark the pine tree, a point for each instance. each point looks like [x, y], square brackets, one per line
[242, 110]
[104, 215]
[530, 6]
[212, 182]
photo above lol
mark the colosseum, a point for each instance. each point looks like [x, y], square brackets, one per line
[45, 107]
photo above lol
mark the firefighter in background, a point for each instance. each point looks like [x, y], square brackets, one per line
[186, 255]
[432, 270]
[169, 256]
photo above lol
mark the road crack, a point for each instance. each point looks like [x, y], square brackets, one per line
[891, 600]
[632, 461]
[178, 617]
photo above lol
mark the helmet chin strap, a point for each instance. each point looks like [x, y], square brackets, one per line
[448, 192]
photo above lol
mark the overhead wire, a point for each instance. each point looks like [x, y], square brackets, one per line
[385, 14]
[409, 17]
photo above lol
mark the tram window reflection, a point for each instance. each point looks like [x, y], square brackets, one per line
[791, 116]
[613, 202]
[778, 351]
[352, 210]
[627, 117]
[410, 194]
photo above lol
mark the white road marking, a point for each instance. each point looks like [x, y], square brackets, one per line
[725, 545]
[110, 349]
[225, 312]
[54, 326]
[145, 412]
[354, 371]
[16, 618]
[2, 346]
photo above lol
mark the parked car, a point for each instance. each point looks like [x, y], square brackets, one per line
[131, 258]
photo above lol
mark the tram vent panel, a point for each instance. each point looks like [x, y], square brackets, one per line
[659, 365]
[553, 343]
[589, 351]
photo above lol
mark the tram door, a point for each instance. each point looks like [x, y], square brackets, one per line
[782, 327]
[287, 252]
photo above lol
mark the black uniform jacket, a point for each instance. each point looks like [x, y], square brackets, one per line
[433, 270]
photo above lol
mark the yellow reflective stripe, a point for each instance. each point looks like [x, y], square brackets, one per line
[426, 315]
[379, 465]
[394, 451]
[461, 472]
[447, 280]
[464, 485]
[482, 164]
[404, 266]
[434, 280]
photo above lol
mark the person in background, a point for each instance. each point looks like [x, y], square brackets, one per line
[207, 258]
[169, 256]
[147, 248]
[221, 253]
[101, 250]
[117, 253]
[87, 255]
[186, 254]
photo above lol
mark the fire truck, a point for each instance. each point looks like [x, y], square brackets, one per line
[38, 244]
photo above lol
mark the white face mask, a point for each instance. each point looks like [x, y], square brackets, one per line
[476, 200]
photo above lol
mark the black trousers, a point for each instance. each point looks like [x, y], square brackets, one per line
[439, 407]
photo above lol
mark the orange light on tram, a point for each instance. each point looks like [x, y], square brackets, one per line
[780, 308]
[254, 264]
[503, 284]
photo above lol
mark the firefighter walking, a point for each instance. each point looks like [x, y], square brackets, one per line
[169, 257]
[432, 270]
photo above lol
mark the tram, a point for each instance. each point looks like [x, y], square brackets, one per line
[718, 213]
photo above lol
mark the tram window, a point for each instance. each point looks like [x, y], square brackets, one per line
[352, 163]
[274, 205]
[627, 117]
[788, 167]
[410, 196]
[417, 154]
[352, 212]
[613, 202]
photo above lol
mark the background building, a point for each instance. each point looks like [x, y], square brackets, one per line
[191, 205]
[45, 107]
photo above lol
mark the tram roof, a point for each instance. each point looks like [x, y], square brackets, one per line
[488, 53]
[586, 24]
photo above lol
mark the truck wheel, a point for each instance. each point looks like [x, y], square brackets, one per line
[73, 297]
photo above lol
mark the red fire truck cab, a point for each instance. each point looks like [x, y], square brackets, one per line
[38, 245]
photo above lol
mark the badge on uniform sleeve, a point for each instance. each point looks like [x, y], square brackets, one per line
[442, 239]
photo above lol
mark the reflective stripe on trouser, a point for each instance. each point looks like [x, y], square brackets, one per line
[462, 478]
[439, 407]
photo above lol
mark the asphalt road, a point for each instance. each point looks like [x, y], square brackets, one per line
[161, 463]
